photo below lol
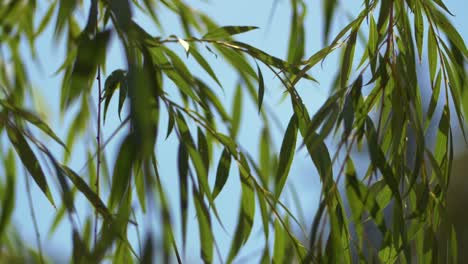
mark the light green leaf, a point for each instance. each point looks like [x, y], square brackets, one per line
[204, 226]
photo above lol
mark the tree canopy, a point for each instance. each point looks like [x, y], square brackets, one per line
[170, 87]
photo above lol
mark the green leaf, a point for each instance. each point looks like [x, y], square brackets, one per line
[330, 7]
[418, 28]
[280, 247]
[348, 57]
[236, 112]
[29, 160]
[246, 214]
[205, 65]
[33, 119]
[8, 202]
[227, 31]
[432, 51]
[261, 88]
[286, 155]
[122, 172]
[91, 53]
[450, 31]
[222, 172]
[204, 226]
[84, 188]
[183, 166]
[115, 80]
[203, 149]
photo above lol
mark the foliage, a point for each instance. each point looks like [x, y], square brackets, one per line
[374, 106]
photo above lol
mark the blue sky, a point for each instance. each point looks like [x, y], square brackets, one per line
[272, 38]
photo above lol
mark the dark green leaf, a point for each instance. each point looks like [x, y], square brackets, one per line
[227, 31]
[261, 88]
[222, 172]
[286, 156]
[29, 160]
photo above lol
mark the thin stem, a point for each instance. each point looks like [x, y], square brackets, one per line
[98, 136]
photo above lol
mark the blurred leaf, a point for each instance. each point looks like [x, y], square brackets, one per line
[29, 160]
[236, 112]
[33, 119]
[204, 226]
[91, 53]
[122, 172]
[8, 201]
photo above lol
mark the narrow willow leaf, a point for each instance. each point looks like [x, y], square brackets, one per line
[8, 202]
[432, 51]
[441, 4]
[378, 158]
[203, 149]
[115, 79]
[237, 60]
[182, 163]
[450, 31]
[265, 215]
[279, 249]
[84, 188]
[246, 214]
[329, 6]
[148, 250]
[267, 58]
[33, 119]
[91, 53]
[222, 172]
[210, 96]
[227, 31]
[348, 57]
[434, 98]
[296, 46]
[261, 88]
[139, 181]
[204, 64]
[29, 160]
[418, 28]
[204, 226]
[286, 155]
[265, 156]
[236, 112]
[46, 19]
[122, 172]
[197, 161]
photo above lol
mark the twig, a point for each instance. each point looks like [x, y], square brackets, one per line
[98, 137]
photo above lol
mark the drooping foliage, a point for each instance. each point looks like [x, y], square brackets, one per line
[375, 107]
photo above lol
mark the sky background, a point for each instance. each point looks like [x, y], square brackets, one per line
[270, 37]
